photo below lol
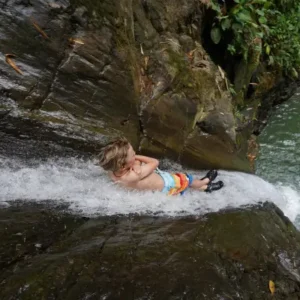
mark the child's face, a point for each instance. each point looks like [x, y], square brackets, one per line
[130, 157]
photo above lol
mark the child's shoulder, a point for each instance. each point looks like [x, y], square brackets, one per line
[129, 176]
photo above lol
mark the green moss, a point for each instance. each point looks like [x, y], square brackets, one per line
[45, 118]
[125, 45]
[51, 119]
[186, 80]
[94, 129]
[238, 115]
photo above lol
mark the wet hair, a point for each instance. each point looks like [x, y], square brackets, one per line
[113, 156]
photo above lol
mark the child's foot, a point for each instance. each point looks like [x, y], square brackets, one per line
[214, 186]
[211, 175]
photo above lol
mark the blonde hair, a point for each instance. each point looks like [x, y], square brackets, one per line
[113, 156]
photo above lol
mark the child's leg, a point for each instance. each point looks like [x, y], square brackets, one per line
[200, 184]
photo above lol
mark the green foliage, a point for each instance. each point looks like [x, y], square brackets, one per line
[275, 22]
[215, 35]
[282, 45]
[246, 20]
[286, 5]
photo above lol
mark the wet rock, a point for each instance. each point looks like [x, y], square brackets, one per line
[29, 230]
[140, 71]
[27, 139]
[230, 255]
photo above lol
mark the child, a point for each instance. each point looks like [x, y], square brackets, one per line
[141, 172]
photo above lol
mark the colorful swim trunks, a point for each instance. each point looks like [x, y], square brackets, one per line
[175, 183]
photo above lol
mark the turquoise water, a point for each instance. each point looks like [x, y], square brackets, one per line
[279, 158]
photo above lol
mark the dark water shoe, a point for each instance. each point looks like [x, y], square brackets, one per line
[214, 186]
[211, 175]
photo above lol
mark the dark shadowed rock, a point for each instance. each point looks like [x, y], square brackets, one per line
[233, 255]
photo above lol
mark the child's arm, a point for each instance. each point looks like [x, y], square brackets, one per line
[146, 159]
[137, 166]
[137, 162]
[150, 164]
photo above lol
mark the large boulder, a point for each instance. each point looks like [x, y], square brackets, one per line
[93, 70]
[47, 254]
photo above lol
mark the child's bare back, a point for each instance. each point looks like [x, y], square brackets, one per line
[133, 180]
[141, 172]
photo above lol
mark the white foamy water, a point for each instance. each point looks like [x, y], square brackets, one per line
[86, 187]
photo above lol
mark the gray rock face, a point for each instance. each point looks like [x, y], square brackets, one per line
[46, 254]
[93, 70]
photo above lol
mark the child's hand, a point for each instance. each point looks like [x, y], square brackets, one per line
[136, 168]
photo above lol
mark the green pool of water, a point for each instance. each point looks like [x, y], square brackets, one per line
[279, 158]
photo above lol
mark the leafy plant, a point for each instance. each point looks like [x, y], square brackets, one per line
[248, 21]
[286, 5]
[282, 45]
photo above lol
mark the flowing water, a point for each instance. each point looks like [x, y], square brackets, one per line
[279, 160]
[84, 187]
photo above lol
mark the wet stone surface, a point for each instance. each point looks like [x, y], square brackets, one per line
[133, 71]
[47, 253]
